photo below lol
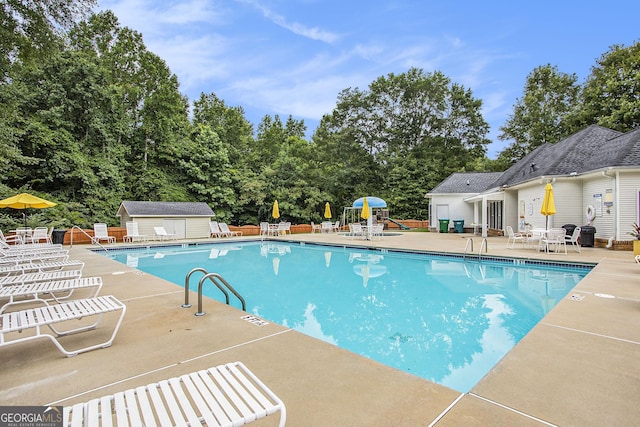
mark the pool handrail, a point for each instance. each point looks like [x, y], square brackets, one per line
[217, 280]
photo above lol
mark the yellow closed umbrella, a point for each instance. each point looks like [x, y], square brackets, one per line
[25, 201]
[365, 209]
[327, 211]
[548, 204]
[275, 212]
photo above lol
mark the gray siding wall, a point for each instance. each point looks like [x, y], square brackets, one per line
[593, 195]
[195, 227]
[628, 187]
[568, 198]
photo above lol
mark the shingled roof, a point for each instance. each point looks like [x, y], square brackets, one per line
[589, 150]
[135, 208]
[466, 182]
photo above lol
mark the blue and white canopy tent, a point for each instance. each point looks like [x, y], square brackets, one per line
[352, 213]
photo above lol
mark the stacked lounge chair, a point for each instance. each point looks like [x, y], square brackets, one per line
[13, 325]
[30, 277]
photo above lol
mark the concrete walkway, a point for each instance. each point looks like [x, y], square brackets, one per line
[579, 367]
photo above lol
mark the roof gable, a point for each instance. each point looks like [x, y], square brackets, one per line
[137, 208]
[466, 182]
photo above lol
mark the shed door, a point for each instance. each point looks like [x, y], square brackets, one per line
[176, 226]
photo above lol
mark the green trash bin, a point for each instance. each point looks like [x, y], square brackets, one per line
[444, 225]
[458, 225]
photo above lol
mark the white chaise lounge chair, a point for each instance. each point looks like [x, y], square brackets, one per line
[14, 258]
[33, 247]
[39, 267]
[44, 292]
[161, 234]
[101, 233]
[224, 229]
[226, 395]
[132, 233]
[46, 276]
[214, 229]
[14, 325]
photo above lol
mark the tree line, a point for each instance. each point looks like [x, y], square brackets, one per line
[89, 117]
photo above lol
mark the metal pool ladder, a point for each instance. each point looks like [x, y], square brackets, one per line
[470, 243]
[217, 280]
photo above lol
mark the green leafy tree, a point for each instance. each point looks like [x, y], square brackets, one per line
[150, 116]
[206, 165]
[406, 124]
[30, 28]
[235, 135]
[611, 94]
[229, 123]
[542, 115]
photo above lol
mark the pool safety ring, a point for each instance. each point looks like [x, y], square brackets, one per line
[591, 214]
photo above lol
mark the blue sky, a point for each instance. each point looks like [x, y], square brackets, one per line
[293, 57]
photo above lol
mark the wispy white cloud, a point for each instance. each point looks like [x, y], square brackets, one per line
[151, 17]
[313, 33]
[295, 56]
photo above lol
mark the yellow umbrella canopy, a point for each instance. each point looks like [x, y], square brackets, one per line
[327, 211]
[365, 209]
[25, 201]
[548, 204]
[275, 212]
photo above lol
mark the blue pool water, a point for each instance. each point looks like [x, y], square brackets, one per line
[441, 318]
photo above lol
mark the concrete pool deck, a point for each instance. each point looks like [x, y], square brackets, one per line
[580, 366]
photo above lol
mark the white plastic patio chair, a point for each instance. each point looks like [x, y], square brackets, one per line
[100, 233]
[39, 234]
[377, 232]
[284, 228]
[264, 229]
[573, 239]
[512, 237]
[12, 239]
[355, 230]
[556, 238]
[132, 233]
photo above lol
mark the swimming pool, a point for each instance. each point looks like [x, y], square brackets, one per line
[438, 317]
